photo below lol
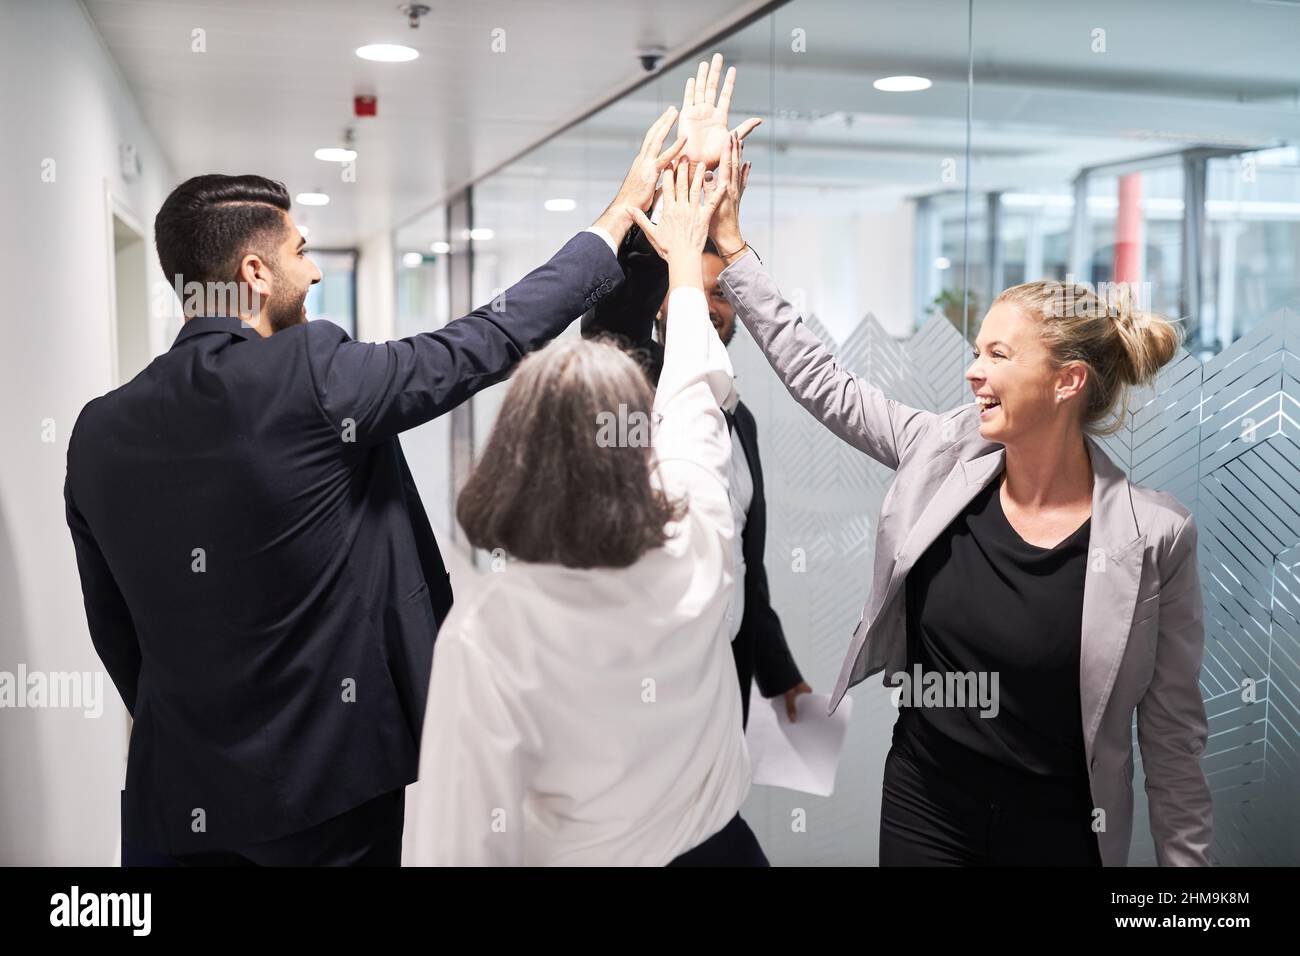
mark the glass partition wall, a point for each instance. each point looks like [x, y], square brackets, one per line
[1155, 144]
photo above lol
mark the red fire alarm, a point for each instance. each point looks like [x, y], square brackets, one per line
[365, 105]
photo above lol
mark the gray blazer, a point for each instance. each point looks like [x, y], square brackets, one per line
[1143, 635]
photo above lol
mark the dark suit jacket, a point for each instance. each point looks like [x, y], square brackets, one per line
[760, 648]
[260, 578]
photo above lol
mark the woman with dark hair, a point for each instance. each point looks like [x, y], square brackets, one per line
[583, 707]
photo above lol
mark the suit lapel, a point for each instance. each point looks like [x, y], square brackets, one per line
[963, 483]
[1115, 552]
[747, 441]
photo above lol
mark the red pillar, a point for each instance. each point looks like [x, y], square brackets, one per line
[1128, 229]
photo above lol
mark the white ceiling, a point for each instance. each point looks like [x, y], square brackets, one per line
[278, 78]
[274, 85]
[1174, 74]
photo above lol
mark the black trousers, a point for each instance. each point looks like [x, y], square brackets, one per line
[946, 805]
[368, 835]
[733, 845]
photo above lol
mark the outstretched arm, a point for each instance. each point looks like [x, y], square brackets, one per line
[374, 391]
[691, 443]
[851, 407]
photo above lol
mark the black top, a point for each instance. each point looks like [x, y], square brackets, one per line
[981, 599]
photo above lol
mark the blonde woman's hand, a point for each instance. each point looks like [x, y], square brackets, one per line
[724, 230]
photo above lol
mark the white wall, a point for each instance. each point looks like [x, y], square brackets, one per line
[60, 772]
[839, 265]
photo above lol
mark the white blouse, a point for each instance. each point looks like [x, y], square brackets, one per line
[582, 717]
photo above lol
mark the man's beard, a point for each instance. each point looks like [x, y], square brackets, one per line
[283, 313]
[726, 335]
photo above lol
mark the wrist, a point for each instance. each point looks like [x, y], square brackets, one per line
[728, 242]
[616, 221]
[685, 271]
[729, 252]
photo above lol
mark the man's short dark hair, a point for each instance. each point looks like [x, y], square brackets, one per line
[209, 223]
[710, 249]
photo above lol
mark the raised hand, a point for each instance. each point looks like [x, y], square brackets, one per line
[724, 230]
[688, 207]
[704, 122]
[638, 189]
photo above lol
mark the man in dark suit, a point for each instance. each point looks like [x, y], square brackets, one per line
[630, 313]
[260, 577]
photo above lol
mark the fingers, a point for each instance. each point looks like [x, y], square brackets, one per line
[642, 220]
[654, 129]
[718, 188]
[747, 127]
[697, 184]
[682, 182]
[713, 198]
[667, 156]
[715, 73]
[729, 168]
[656, 134]
[701, 78]
[731, 158]
[744, 177]
[724, 101]
[689, 99]
[791, 708]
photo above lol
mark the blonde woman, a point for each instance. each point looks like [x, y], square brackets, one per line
[583, 707]
[1012, 555]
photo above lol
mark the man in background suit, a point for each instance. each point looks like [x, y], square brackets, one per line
[260, 578]
[757, 640]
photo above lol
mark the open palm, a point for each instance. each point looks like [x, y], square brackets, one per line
[702, 120]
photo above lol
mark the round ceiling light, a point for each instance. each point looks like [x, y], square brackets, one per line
[901, 84]
[387, 52]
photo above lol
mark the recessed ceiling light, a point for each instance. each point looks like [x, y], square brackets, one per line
[560, 205]
[943, 262]
[901, 84]
[413, 260]
[387, 52]
[336, 154]
[440, 248]
[311, 199]
[481, 235]
[304, 231]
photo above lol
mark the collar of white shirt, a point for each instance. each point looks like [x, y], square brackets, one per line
[732, 400]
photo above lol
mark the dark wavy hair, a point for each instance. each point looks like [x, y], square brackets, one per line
[548, 489]
[209, 223]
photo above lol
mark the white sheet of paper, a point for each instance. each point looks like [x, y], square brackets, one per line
[801, 756]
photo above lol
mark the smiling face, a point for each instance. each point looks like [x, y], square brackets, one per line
[1015, 379]
[293, 276]
[721, 314]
